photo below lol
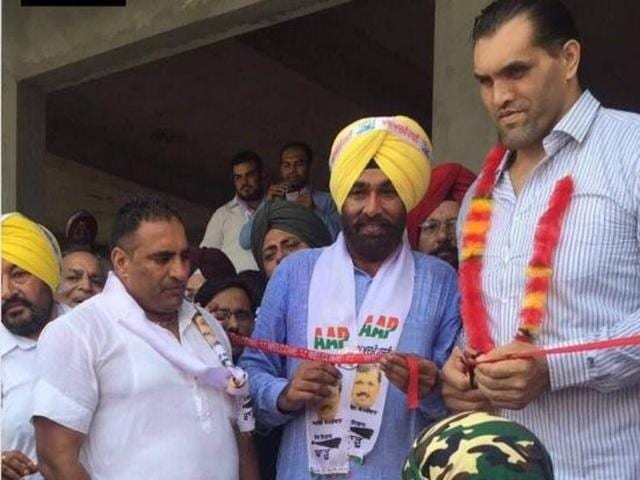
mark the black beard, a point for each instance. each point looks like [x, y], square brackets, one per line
[252, 197]
[373, 248]
[40, 316]
[297, 183]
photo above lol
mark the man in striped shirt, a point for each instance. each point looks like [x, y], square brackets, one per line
[585, 406]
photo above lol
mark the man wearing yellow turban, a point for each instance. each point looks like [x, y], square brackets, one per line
[367, 292]
[30, 276]
[398, 145]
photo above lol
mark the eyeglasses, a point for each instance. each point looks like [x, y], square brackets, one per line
[431, 228]
[225, 314]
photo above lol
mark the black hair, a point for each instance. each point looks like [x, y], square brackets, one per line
[213, 287]
[372, 165]
[367, 367]
[301, 146]
[246, 156]
[140, 209]
[552, 21]
[256, 282]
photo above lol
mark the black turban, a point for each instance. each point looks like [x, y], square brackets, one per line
[212, 262]
[290, 217]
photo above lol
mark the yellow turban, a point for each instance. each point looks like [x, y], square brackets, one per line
[31, 247]
[399, 146]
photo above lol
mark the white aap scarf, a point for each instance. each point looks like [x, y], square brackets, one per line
[227, 377]
[348, 424]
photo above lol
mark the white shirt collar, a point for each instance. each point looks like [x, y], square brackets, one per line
[9, 341]
[120, 308]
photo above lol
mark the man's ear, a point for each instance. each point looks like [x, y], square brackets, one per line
[571, 51]
[120, 261]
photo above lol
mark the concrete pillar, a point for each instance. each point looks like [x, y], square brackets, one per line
[462, 129]
[9, 141]
[31, 141]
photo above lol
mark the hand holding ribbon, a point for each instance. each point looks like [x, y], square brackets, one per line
[457, 391]
[512, 383]
[397, 370]
[310, 383]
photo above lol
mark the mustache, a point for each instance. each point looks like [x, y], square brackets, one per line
[378, 220]
[15, 301]
[362, 394]
[511, 108]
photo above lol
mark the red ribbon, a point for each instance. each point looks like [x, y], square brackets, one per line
[413, 398]
[304, 353]
[412, 361]
[334, 358]
[582, 347]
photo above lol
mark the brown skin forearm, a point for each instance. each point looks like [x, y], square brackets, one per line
[248, 457]
[58, 450]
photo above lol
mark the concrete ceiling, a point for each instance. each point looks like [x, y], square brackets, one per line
[173, 124]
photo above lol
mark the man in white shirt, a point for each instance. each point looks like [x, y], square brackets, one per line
[128, 385]
[224, 227]
[30, 275]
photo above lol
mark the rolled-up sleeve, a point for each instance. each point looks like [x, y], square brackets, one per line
[66, 387]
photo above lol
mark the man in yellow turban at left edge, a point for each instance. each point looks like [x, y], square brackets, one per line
[31, 273]
[367, 292]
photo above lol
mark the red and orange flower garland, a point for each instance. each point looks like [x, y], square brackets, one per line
[474, 236]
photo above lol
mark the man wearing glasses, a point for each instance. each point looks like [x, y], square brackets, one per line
[432, 224]
[229, 300]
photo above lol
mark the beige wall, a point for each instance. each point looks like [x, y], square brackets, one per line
[71, 186]
[462, 130]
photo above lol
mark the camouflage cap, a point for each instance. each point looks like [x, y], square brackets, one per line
[477, 446]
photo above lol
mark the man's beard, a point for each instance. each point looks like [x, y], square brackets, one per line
[373, 248]
[250, 197]
[296, 183]
[522, 136]
[447, 252]
[38, 316]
